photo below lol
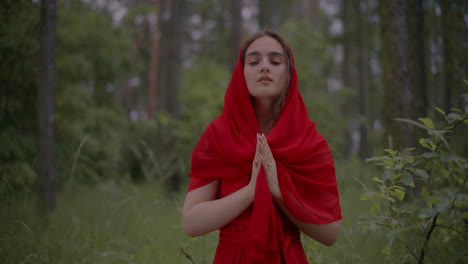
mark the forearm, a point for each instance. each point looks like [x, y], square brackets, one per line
[211, 215]
[326, 234]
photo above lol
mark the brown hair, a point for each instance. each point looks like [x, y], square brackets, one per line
[279, 101]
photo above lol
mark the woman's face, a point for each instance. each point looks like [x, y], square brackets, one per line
[266, 68]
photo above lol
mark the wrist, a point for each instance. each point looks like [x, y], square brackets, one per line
[278, 199]
[251, 190]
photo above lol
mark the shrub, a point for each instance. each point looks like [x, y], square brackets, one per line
[421, 198]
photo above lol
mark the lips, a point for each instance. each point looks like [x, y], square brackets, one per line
[264, 79]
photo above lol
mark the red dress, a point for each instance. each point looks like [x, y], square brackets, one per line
[306, 176]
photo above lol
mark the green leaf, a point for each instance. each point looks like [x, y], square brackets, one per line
[395, 176]
[465, 215]
[453, 116]
[428, 212]
[430, 155]
[426, 143]
[421, 173]
[377, 180]
[423, 127]
[375, 159]
[399, 194]
[407, 180]
[440, 110]
[409, 149]
[442, 206]
[456, 110]
[445, 174]
[427, 122]
[366, 196]
[391, 152]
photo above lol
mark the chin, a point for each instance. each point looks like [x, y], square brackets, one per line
[264, 93]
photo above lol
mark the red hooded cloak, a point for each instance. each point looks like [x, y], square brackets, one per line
[306, 175]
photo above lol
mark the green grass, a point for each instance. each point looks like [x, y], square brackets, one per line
[126, 223]
[108, 223]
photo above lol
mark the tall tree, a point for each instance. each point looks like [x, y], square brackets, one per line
[347, 108]
[415, 18]
[454, 36]
[398, 94]
[46, 146]
[310, 11]
[175, 55]
[236, 30]
[164, 59]
[125, 95]
[363, 85]
[154, 59]
[265, 14]
[455, 60]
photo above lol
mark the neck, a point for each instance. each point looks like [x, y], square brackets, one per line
[264, 109]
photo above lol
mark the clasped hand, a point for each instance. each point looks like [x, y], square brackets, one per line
[264, 158]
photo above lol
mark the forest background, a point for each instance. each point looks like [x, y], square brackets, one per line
[102, 102]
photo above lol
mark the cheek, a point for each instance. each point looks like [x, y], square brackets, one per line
[249, 77]
[285, 79]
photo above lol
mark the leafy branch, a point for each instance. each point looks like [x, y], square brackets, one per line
[437, 170]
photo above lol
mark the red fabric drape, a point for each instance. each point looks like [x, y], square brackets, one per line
[306, 173]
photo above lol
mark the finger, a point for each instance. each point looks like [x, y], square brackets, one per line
[257, 158]
[266, 148]
[269, 160]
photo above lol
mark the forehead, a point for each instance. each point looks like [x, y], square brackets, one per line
[265, 44]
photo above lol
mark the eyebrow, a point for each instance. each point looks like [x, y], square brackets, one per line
[272, 53]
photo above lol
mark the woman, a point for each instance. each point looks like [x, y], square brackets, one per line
[261, 173]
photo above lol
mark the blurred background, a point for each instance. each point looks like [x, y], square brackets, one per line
[102, 102]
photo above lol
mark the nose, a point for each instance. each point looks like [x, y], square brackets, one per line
[264, 66]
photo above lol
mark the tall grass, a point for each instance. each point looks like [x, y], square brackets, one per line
[108, 223]
[126, 223]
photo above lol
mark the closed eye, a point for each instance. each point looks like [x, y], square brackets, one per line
[253, 63]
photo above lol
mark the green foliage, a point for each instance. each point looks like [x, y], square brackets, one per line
[94, 56]
[147, 154]
[421, 199]
[90, 55]
[18, 72]
[314, 62]
[202, 92]
[122, 222]
[107, 223]
[97, 129]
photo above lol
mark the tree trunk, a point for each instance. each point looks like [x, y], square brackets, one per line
[455, 58]
[153, 70]
[363, 84]
[454, 36]
[417, 56]
[265, 14]
[46, 146]
[124, 95]
[236, 30]
[164, 60]
[310, 11]
[397, 80]
[175, 55]
[347, 81]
